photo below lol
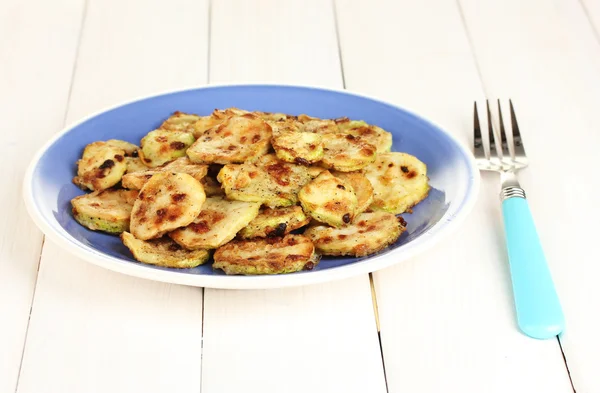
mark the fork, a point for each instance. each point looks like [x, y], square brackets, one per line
[539, 314]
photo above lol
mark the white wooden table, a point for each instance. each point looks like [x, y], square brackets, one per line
[446, 318]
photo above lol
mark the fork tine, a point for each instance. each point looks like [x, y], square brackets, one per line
[491, 133]
[478, 149]
[517, 142]
[505, 152]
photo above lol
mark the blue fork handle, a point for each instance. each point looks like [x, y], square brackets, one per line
[539, 313]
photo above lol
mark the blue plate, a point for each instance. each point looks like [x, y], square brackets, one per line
[453, 176]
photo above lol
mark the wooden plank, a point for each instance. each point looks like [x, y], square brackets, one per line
[553, 76]
[447, 320]
[33, 101]
[314, 338]
[94, 330]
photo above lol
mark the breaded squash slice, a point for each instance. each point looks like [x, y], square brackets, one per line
[162, 146]
[302, 148]
[218, 222]
[107, 211]
[130, 149]
[369, 233]
[378, 137]
[238, 139]
[166, 202]
[266, 256]
[135, 164]
[136, 180]
[269, 181]
[329, 199]
[164, 252]
[346, 153]
[314, 124]
[179, 121]
[275, 222]
[184, 165]
[362, 188]
[399, 182]
[205, 123]
[101, 166]
[269, 116]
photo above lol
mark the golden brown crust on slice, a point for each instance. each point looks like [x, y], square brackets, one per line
[378, 137]
[179, 121]
[399, 182]
[162, 146]
[368, 234]
[329, 199]
[266, 256]
[218, 222]
[205, 123]
[346, 153]
[269, 116]
[164, 252]
[302, 148]
[238, 139]
[268, 181]
[135, 164]
[107, 210]
[136, 180]
[362, 188]
[101, 166]
[129, 148]
[314, 124]
[275, 222]
[166, 202]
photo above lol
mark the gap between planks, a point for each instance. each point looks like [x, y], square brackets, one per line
[376, 313]
[37, 272]
[566, 364]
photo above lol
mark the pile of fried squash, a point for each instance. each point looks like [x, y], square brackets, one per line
[263, 193]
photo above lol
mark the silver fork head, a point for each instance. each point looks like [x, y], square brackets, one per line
[509, 155]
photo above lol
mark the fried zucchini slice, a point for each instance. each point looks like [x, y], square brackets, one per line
[166, 202]
[314, 124]
[378, 137]
[218, 222]
[162, 146]
[275, 222]
[269, 181]
[101, 166]
[129, 148]
[136, 180]
[362, 188]
[107, 211]
[184, 165]
[135, 164]
[399, 182]
[164, 252]
[269, 116]
[211, 186]
[346, 153]
[236, 140]
[302, 148]
[179, 121]
[205, 123]
[369, 233]
[266, 256]
[329, 199]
